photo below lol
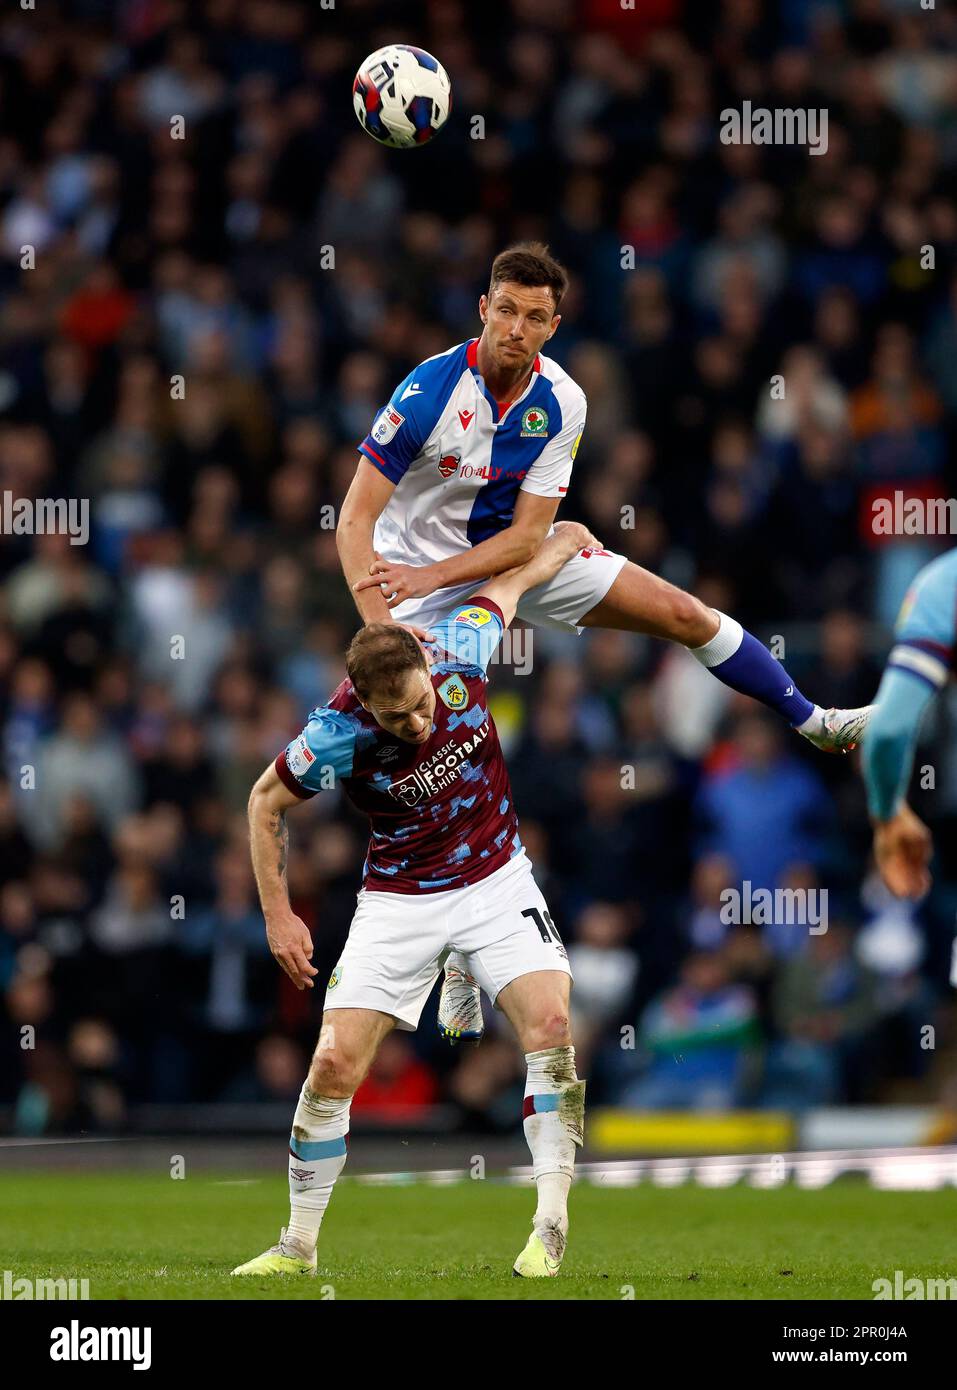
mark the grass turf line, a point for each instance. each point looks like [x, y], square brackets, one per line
[138, 1236]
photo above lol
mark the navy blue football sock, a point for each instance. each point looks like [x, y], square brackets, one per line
[745, 664]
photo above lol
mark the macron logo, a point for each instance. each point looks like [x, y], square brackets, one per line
[466, 418]
[414, 390]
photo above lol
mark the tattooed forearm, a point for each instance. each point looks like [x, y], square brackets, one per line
[280, 833]
[269, 847]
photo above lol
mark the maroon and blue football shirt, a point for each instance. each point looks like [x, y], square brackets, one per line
[441, 812]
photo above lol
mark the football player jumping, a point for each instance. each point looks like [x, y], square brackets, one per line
[460, 479]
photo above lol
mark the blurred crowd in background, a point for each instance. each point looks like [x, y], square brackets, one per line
[290, 271]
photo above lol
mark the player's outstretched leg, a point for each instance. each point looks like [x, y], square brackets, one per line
[460, 1003]
[639, 601]
[319, 1140]
[553, 1113]
[745, 664]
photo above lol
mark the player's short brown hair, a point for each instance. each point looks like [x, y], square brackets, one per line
[530, 263]
[380, 656]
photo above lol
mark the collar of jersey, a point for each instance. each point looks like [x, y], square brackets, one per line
[471, 357]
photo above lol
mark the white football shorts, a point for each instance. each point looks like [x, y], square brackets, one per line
[561, 602]
[399, 942]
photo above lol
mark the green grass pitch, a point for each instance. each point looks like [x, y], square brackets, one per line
[137, 1236]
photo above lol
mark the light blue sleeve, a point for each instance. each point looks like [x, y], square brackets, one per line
[926, 630]
[891, 738]
[920, 665]
[326, 745]
[471, 632]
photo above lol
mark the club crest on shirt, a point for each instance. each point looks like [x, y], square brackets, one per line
[387, 424]
[454, 693]
[335, 977]
[448, 465]
[534, 423]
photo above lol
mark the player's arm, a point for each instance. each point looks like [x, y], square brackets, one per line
[363, 505]
[568, 538]
[287, 934]
[545, 484]
[473, 629]
[507, 550]
[510, 548]
[902, 843]
[390, 448]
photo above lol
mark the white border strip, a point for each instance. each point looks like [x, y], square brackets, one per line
[890, 1170]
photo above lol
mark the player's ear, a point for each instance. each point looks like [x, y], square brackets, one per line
[483, 308]
[556, 320]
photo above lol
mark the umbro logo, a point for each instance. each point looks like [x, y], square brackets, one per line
[466, 416]
[413, 390]
[386, 754]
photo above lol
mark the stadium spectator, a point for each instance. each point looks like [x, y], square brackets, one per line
[825, 1010]
[700, 1039]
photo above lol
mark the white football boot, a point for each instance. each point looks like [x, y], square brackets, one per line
[460, 1007]
[836, 730]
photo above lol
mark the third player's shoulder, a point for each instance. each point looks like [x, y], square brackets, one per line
[927, 622]
[932, 591]
[568, 394]
[939, 574]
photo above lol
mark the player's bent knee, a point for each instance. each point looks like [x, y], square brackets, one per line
[332, 1074]
[550, 1031]
[690, 621]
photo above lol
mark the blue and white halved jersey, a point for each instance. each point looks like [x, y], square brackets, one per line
[458, 459]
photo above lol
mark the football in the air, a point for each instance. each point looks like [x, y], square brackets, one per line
[402, 96]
